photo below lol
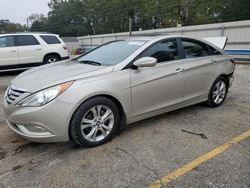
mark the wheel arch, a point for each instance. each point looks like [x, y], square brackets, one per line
[226, 77]
[123, 116]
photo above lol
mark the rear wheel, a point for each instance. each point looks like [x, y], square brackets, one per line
[218, 92]
[94, 122]
[51, 59]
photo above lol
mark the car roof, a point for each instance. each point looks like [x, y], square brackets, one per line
[156, 38]
[28, 33]
[159, 37]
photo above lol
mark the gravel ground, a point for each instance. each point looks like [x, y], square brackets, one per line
[142, 153]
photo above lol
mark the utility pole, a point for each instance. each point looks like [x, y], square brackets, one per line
[130, 26]
[27, 21]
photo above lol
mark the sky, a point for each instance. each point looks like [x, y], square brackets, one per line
[17, 11]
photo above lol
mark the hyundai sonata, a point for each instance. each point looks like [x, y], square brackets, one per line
[87, 99]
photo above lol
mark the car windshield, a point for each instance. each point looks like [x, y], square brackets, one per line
[111, 53]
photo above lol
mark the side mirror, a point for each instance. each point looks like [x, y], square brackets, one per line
[145, 62]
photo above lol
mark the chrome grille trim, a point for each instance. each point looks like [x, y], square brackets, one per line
[13, 93]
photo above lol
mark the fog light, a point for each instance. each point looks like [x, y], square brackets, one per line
[34, 130]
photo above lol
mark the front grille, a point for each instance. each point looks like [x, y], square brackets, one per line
[13, 93]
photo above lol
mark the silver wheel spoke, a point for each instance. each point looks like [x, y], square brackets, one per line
[215, 93]
[52, 60]
[84, 126]
[94, 129]
[104, 133]
[92, 133]
[217, 98]
[94, 112]
[222, 95]
[99, 111]
[106, 127]
[87, 121]
[222, 86]
[107, 115]
[217, 86]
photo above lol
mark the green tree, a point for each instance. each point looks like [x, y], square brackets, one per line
[88, 17]
[235, 10]
[8, 27]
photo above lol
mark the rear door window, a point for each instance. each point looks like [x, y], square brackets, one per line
[7, 41]
[193, 48]
[163, 51]
[26, 40]
[49, 39]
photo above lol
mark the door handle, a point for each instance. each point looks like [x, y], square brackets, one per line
[38, 48]
[12, 51]
[179, 70]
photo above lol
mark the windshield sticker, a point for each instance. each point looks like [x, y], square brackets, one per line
[137, 43]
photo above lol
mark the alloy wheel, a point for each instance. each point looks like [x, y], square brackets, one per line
[219, 92]
[97, 123]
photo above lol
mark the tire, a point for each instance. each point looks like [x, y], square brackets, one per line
[51, 59]
[89, 130]
[218, 92]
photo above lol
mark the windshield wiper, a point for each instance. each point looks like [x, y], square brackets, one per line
[89, 62]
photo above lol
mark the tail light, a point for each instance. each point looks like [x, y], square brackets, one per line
[233, 61]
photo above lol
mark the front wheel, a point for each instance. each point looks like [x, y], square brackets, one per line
[218, 92]
[94, 122]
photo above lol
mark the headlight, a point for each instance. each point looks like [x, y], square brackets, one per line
[44, 96]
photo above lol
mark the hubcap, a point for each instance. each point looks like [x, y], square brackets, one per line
[219, 92]
[97, 123]
[52, 60]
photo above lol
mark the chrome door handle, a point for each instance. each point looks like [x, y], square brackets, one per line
[179, 70]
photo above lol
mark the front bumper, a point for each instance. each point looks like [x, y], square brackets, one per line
[45, 124]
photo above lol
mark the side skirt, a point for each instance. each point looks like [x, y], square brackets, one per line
[167, 109]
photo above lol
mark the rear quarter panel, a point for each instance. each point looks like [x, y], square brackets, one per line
[224, 66]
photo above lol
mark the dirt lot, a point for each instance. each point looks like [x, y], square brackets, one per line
[143, 153]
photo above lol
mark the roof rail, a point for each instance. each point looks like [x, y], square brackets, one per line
[31, 32]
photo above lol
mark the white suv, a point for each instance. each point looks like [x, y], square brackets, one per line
[26, 50]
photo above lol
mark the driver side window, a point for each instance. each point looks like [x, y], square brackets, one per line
[163, 51]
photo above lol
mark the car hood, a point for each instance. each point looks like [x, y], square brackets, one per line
[48, 75]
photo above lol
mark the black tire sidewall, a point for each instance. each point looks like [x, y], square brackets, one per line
[210, 101]
[75, 124]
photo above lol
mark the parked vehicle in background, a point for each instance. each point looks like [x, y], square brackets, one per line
[80, 51]
[88, 98]
[25, 50]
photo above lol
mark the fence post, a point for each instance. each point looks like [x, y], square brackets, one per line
[222, 31]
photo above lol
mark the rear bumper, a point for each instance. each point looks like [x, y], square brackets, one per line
[64, 58]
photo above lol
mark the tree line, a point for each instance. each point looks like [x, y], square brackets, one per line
[8, 27]
[88, 17]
